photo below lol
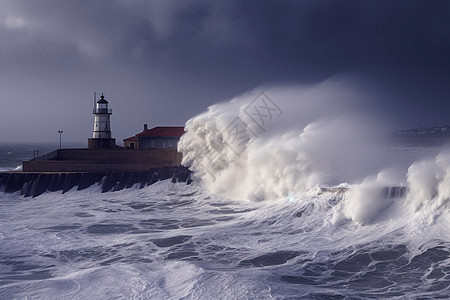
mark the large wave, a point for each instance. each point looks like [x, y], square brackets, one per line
[277, 142]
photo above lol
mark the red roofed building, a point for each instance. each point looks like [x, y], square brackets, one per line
[161, 137]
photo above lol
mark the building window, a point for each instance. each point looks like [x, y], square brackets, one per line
[152, 144]
[132, 145]
[170, 144]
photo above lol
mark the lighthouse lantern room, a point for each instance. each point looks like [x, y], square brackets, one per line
[101, 137]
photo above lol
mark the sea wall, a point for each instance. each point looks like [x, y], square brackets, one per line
[103, 160]
[34, 184]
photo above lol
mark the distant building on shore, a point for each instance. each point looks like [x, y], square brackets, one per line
[425, 132]
[152, 148]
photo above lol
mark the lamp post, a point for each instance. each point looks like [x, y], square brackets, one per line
[60, 132]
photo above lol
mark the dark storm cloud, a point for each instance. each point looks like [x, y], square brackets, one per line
[189, 54]
[308, 36]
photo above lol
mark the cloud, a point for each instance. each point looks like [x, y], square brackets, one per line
[326, 35]
[15, 22]
[193, 53]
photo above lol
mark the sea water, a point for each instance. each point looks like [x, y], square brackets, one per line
[177, 241]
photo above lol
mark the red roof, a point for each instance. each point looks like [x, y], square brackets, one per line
[162, 131]
[133, 138]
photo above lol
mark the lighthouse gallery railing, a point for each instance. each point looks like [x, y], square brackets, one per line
[102, 111]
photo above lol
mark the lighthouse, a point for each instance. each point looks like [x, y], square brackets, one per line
[101, 136]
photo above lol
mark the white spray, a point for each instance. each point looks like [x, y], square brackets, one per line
[277, 142]
[283, 141]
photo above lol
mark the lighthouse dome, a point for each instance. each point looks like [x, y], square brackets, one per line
[102, 100]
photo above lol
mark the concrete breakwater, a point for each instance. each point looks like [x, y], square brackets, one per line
[387, 192]
[34, 184]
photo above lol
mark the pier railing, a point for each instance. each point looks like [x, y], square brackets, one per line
[49, 156]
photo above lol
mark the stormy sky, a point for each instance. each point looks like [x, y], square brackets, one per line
[162, 62]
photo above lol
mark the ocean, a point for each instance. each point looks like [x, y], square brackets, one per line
[178, 241]
[282, 209]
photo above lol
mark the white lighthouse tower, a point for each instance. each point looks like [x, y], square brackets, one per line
[101, 136]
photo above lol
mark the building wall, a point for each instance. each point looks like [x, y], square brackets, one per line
[158, 143]
[133, 144]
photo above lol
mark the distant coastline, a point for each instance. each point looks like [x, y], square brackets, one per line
[425, 132]
[423, 136]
